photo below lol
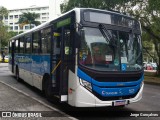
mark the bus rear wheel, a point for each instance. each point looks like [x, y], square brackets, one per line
[47, 88]
[17, 74]
[121, 106]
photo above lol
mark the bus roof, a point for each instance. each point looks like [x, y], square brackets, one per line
[75, 9]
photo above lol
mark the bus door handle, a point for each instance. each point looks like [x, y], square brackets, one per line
[56, 67]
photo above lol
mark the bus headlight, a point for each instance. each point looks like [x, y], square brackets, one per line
[86, 84]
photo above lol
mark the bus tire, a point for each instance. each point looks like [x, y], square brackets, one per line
[47, 87]
[17, 74]
[121, 106]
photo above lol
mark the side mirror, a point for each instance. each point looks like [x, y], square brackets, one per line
[79, 38]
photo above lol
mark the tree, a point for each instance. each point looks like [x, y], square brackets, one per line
[3, 12]
[4, 36]
[12, 33]
[149, 53]
[3, 28]
[101, 4]
[28, 18]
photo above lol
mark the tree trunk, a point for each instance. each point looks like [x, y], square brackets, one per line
[158, 68]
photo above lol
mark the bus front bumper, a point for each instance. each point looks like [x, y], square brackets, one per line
[84, 98]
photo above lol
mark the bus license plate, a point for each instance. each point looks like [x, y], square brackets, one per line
[119, 102]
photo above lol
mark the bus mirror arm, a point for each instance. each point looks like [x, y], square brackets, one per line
[78, 39]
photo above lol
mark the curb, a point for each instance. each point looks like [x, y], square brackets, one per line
[41, 102]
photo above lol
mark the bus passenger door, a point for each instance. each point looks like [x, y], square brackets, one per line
[62, 61]
[67, 58]
[56, 61]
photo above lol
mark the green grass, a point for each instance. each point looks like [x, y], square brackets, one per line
[150, 74]
[151, 77]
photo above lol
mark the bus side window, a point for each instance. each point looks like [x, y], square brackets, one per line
[36, 42]
[46, 40]
[57, 44]
[17, 46]
[28, 44]
[21, 45]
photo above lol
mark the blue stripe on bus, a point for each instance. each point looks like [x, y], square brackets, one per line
[86, 77]
[83, 75]
[120, 84]
[38, 64]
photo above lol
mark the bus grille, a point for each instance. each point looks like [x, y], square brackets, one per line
[117, 79]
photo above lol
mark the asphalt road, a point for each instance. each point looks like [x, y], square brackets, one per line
[35, 101]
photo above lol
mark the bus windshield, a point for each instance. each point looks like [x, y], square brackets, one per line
[108, 51]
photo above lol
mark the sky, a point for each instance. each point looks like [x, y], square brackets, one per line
[14, 4]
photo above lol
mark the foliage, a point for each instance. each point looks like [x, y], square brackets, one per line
[149, 53]
[12, 33]
[28, 18]
[4, 36]
[3, 12]
[101, 4]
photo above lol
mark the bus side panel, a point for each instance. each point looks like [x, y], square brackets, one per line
[24, 65]
[73, 83]
[32, 68]
[40, 66]
[78, 96]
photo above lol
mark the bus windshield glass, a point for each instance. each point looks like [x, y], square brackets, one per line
[107, 50]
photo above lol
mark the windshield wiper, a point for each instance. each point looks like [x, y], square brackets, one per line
[130, 39]
[110, 40]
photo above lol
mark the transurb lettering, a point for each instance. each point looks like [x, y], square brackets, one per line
[23, 59]
[109, 93]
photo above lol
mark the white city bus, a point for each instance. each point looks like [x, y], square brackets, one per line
[86, 57]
